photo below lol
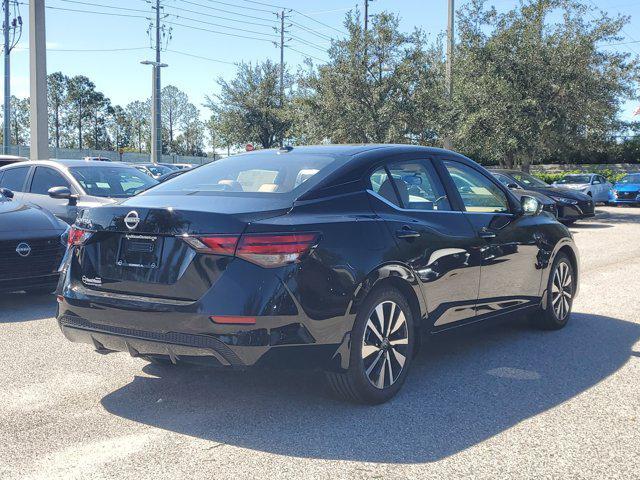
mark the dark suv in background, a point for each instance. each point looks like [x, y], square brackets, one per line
[570, 205]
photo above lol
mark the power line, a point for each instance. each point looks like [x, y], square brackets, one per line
[92, 49]
[242, 14]
[236, 6]
[311, 30]
[104, 6]
[221, 17]
[217, 32]
[305, 42]
[305, 54]
[201, 57]
[319, 22]
[222, 26]
[90, 11]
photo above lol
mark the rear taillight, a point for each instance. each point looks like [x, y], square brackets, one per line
[267, 250]
[214, 244]
[77, 236]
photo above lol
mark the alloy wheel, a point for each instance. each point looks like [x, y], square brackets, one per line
[385, 344]
[562, 290]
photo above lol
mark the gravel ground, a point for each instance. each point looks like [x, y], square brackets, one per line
[494, 402]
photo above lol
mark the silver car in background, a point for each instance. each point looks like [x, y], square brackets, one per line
[67, 187]
[592, 184]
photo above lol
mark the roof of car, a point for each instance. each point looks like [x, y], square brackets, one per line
[345, 150]
[69, 163]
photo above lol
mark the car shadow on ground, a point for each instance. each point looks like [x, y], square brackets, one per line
[463, 388]
[24, 307]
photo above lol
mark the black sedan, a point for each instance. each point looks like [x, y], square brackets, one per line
[570, 205]
[335, 257]
[32, 244]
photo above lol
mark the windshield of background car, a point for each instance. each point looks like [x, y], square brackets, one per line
[112, 182]
[575, 179]
[254, 174]
[635, 178]
[158, 170]
[528, 180]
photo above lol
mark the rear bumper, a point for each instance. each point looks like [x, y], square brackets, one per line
[570, 213]
[175, 346]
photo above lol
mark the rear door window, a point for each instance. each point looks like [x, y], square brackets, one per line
[418, 185]
[14, 178]
[45, 178]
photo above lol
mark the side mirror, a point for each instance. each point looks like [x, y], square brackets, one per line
[5, 192]
[63, 193]
[530, 205]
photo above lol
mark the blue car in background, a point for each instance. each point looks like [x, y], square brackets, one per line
[626, 191]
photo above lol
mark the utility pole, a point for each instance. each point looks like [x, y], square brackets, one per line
[282, 59]
[366, 15]
[282, 16]
[6, 132]
[156, 96]
[8, 46]
[448, 68]
[38, 81]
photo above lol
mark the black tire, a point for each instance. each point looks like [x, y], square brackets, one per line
[357, 383]
[555, 317]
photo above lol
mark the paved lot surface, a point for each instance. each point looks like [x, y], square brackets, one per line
[503, 401]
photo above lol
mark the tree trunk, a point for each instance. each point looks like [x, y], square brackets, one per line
[80, 125]
[57, 114]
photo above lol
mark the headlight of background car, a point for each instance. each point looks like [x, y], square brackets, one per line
[565, 200]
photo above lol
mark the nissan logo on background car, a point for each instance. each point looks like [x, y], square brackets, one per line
[23, 249]
[132, 220]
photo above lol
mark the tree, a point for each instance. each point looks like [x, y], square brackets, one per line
[138, 113]
[20, 111]
[174, 105]
[79, 90]
[372, 94]
[249, 105]
[221, 134]
[57, 98]
[98, 109]
[191, 139]
[535, 83]
[119, 127]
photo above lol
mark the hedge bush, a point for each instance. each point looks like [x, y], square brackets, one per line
[611, 175]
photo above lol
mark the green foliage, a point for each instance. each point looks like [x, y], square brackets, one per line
[249, 109]
[533, 83]
[611, 175]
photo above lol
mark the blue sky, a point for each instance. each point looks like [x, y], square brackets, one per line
[121, 77]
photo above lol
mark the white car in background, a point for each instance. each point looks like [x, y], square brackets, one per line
[592, 184]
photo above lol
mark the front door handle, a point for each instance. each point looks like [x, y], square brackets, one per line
[407, 232]
[486, 233]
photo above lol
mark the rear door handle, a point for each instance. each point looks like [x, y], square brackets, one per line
[407, 232]
[486, 233]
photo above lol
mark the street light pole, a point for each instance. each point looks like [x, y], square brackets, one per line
[448, 68]
[156, 113]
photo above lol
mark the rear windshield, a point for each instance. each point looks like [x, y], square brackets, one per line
[255, 174]
[575, 179]
[112, 182]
